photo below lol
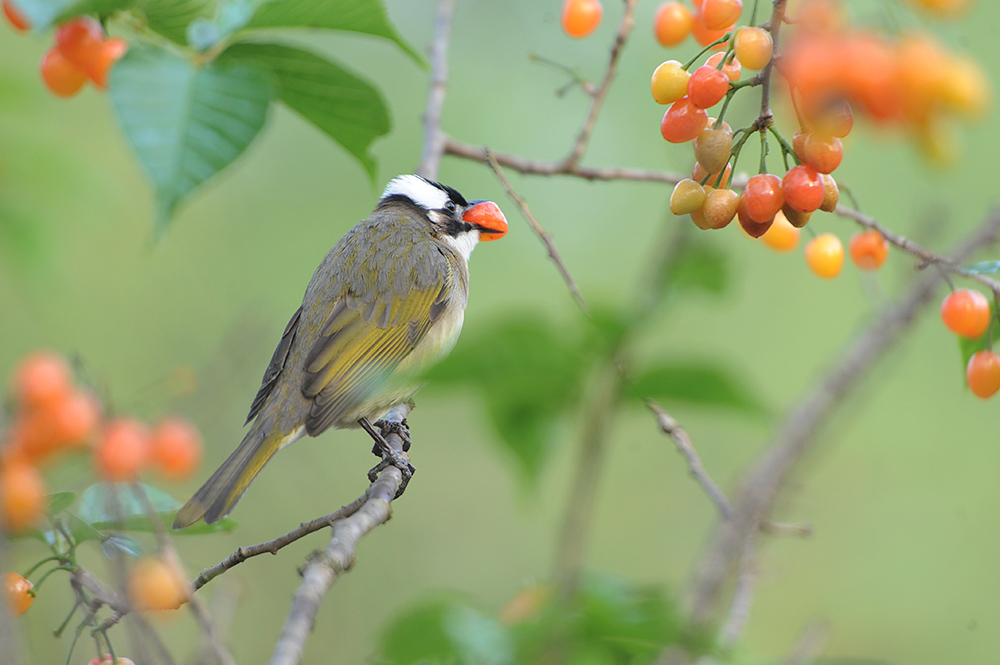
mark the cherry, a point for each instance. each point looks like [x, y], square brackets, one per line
[581, 17]
[966, 312]
[763, 197]
[982, 374]
[672, 23]
[868, 249]
[825, 255]
[682, 121]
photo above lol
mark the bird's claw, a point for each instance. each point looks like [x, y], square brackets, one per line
[394, 459]
[393, 427]
[389, 455]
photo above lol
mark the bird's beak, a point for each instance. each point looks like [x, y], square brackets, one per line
[487, 217]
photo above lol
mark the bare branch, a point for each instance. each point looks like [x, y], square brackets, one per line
[946, 262]
[540, 231]
[762, 483]
[583, 138]
[325, 567]
[742, 599]
[272, 546]
[681, 439]
[561, 167]
[433, 137]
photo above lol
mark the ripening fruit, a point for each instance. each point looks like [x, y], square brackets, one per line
[753, 47]
[707, 86]
[966, 88]
[942, 7]
[868, 249]
[732, 69]
[782, 236]
[111, 51]
[966, 313]
[60, 75]
[15, 16]
[763, 197]
[74, 419]
[22, 496]
[834, 118]
[670, 82]
[720, 208]
[803, 188]
[823, 153]
[175, 448]
[702, 34]
[122, 450]
[688, 196]
[15, 591]
[982, 374]
[712, 148]
[106, 660]
[683, 121]
[825, 255]
[155, 584]
[581, 17]
[831, 194]
[750, 227]
[80, 39]
[672, 23]
[42, 378]
[795, 217]
[699, 174]
[720, 14]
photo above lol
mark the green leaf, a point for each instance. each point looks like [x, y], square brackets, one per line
[344, 106]
[119, 545]
[984, 268]
[701, 266]
[365, 16]
[697, 383]
[171, 18]
[446, 630]
[60, 501]
[43, 13]
[186, 123]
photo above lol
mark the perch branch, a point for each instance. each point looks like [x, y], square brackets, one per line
[323, 569]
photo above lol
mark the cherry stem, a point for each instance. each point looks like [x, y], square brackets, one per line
[721, 40]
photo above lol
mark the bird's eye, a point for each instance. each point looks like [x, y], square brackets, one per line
[450, 206]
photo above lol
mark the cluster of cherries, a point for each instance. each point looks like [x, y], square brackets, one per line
[81, 53]
[54, 417]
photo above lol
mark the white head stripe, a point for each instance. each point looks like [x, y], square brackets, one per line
[418, 190]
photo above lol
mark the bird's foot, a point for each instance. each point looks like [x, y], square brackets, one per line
[390, 456]
[387, 427]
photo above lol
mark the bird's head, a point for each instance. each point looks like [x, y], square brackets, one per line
[451, 218]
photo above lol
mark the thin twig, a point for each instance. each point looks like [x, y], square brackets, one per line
[272, 546]
[681, 439]
[762, 483]
[433, 137]
[743, 593]
[544, 235]
[324, 568]
[927, 257]
[583, 138]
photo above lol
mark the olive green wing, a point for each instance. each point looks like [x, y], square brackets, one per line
[399, 288]
[276, 365]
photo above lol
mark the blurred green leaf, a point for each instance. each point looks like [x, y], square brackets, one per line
[529, 374]
[365, 16]
[186, 123]
[984, 268]
[695, 382]
[171, 18]
[345, 107]
[426, 633]
[43, 13]
[120, 544]
[60, 501]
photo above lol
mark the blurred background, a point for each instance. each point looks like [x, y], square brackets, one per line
[901, 491]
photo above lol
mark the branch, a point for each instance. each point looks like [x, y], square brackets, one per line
[272, 546]
[323, 569]
[681, 439]
[945, 262]
[434, 139]
[544, 235]
[762, 483]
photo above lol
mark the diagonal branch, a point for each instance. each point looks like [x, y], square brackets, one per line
[762, 482]
[323, 569]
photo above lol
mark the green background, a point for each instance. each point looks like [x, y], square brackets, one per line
[901, 491]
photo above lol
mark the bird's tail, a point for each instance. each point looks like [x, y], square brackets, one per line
[220, 493]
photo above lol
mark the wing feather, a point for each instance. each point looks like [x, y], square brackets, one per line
[276, 365]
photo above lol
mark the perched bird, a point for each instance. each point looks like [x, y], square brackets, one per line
[387, 300]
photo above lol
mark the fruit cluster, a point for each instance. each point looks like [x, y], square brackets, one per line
[81, 52]
[967, 313]
[54, 417]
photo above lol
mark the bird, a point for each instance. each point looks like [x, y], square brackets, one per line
[387, 301]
